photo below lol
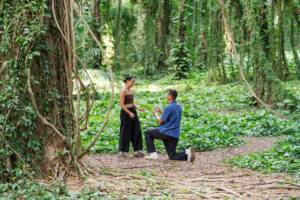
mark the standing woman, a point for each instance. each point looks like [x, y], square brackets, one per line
[130, 130]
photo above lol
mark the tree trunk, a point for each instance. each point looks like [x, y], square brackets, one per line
[181, 32]
[163, 23]
[293, 42]
[97, 30]
[216, 48]
[264, 31]
[264, 82]
[147, 40]
[195, 31]
[281, 62]
[204, 30]
[118, 34]
[182, 62]
[61, 111]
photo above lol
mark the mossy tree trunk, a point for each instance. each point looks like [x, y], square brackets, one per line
[40, 127]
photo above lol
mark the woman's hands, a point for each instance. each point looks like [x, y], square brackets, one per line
[132, 115]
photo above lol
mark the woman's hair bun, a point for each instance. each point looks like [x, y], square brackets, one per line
[127, 78]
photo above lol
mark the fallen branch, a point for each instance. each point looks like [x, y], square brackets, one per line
[233, 176]
[281, 188]
[139, 167]
[206, 180]
[288, 183]
[280, 182]
[223, 188]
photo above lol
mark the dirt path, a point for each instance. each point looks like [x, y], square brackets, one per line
[207, 178]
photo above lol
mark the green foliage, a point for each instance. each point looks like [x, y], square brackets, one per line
[129, 20]
[23, 188]
[213, 116]
[179, 60]
[260, 123]
[196, 130]
[17, 118]
[285, 157]
[20, 186]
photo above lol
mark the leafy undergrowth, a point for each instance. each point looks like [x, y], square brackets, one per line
[259, 123]
[20, 186]
[284, 157]
[23, 189]
[198, 128]
[213, 115]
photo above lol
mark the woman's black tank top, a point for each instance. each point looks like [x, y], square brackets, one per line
[129, 99]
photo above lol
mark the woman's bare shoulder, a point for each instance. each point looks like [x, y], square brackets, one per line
[126, 91]
[122, 91]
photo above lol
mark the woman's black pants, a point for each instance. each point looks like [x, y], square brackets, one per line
[130, 131]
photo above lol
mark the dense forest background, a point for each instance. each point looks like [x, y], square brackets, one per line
[53, 54]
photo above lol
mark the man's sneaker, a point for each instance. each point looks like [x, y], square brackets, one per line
[124, 155]
[191, 154]
[152, 156]
[139, 154]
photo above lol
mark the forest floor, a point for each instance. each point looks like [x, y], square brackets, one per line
[209, 177]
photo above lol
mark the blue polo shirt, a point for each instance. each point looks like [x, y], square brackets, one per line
[171, 118]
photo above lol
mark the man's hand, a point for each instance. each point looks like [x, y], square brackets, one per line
[141, 110]
[157, 109]
[155, 113]
[157, 116]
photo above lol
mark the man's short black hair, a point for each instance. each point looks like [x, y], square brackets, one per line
[173, 93]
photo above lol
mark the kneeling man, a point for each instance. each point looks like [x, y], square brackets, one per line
[168, 131]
